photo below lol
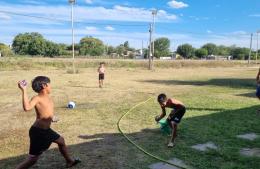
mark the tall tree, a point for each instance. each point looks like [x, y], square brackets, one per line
[91, 46]
[29, 43]
[162, 47]
[240, 53]
[223, 50]
[185, 50]
[211, 48]
[200, 53]
[126, 45]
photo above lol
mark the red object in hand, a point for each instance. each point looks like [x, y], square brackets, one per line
[23, 83]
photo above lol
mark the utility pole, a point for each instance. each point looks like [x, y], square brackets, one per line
[72, 2]
[250, 48]
[142, 49]
[257, 32]
[154, 13]
[150, 47]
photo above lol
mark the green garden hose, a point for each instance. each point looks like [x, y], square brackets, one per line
[137, 146]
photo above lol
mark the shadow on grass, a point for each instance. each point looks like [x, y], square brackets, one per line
[250, 94]
[112, 151]
[228, 82]
[204, 109]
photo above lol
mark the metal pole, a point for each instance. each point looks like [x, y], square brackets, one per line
[150, 47]
[153, 34]
[142, 56]
[72, 2]
[250, 48]
[72, 27]
[256, 46]
[154, 13]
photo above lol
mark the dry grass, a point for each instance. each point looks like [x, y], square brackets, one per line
[90, 129]
[28, 63]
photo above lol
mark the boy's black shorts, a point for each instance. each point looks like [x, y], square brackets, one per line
[101, 76]
[177, 116]
[41, 139]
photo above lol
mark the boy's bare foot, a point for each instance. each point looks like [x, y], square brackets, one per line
[75, 162]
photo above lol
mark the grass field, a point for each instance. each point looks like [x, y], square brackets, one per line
[220, 105]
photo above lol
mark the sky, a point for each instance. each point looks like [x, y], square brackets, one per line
[223, 22]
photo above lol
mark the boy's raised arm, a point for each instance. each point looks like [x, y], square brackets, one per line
[27, 104]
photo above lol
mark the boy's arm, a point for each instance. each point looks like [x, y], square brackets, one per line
[158, 118]
[27, 104]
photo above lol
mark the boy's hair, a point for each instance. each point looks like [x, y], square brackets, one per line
[161, 98]
[38, 82]
[102, 63]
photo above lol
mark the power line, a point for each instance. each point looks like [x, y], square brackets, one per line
[126, 25]
[68, 21]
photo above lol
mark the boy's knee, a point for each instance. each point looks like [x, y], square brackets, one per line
[60, 141]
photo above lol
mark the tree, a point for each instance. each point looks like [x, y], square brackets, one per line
[5, 50]
[120, 50]
[110, 50]
[240, 53]
[145, 50]
[29, 43]
[126, 45]
[211, 48]
[185, 50]
[76, 47]
[223, 50]
[162, 47]
[91, 46]
[200, 53]
[64, 49]
[52, 49]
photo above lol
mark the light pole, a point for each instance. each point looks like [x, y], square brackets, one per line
[72, 2]
[257, 32]
[154, 13]
[249, 57]
[150, 47]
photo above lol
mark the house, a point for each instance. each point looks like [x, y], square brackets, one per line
[218, 57]
[138, 54]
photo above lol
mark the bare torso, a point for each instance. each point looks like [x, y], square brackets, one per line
[44, 112]
[101, 70]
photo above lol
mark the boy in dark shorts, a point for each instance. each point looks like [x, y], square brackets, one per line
[101, 74]
[41, 135]
[174, 117]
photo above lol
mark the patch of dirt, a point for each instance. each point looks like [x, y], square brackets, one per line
[248, 136]
[205, 146]
[250, 152]
[175, 161]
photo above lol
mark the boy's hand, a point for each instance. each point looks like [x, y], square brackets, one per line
[55, 119]
[157, 118]
[22, 84]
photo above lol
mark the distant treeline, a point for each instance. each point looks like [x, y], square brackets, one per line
[35, 44]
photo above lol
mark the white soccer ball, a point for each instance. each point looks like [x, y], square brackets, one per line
[71, 105]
